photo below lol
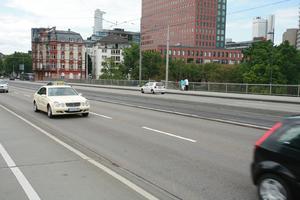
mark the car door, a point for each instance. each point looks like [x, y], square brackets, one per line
[290, 147]
[146, 87]
[41, 99]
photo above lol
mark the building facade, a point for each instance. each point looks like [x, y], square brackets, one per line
[263, 28]
[57, 54]
[128, 35]
[259, 28]
[109, 48]
[194, 26]
[291, 36]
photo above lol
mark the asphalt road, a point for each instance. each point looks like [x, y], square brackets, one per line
[169, 156]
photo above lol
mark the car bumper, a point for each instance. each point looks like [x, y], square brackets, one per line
[159, 90]
[3, 89]
[70, 110]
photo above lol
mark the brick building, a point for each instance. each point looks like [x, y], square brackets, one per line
[196, 29]
[57, 54]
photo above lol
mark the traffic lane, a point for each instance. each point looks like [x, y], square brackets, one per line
[117, 145]
[40, 158]
[267, 107]
[210, 110]
[257, 105]
[220, 159]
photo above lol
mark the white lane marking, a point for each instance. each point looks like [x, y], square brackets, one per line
[100, 115]
[123, 180]
[170, 134]
[28, 189]
[192, 115]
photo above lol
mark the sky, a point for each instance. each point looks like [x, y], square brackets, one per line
[17, 17]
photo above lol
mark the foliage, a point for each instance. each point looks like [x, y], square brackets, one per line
[11, 63]
[111, 70]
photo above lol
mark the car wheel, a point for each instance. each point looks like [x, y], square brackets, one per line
[162, 93]
[35, 108]
[142, 91]
[6, 91]
[49, 111]
[272, 187]
[85, 114]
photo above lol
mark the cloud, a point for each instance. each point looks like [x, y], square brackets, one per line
[77, 15]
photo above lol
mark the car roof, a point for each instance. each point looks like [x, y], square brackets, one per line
[57, 86]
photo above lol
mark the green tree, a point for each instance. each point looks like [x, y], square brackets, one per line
[152, 65]
[13, 61]
[288, 58]
[260, 64]
[111, 70]
[131, 61]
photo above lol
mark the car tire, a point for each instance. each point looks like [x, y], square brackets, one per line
[270, 185]
[49, 111]
[162, 93]
[6, 91]
[85, 114]
[142, 91]
[35, 108]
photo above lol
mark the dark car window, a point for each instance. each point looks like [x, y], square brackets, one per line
[42, 91]
[291, 137]
[159, 84]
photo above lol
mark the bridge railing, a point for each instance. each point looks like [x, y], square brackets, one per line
[240, 88]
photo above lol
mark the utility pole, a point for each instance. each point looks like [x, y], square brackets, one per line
[140, 60]
[167, 56]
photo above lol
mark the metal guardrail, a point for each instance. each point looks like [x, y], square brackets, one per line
[239, 88]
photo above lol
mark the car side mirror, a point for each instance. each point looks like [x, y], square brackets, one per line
[80, 94]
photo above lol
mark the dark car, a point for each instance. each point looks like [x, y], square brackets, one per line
[276, 165]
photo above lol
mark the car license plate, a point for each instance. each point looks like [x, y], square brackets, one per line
[74, 109]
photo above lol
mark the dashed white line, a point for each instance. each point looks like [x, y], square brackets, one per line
[101, 115]
[28, 189]
[123, 180]
[170, 134]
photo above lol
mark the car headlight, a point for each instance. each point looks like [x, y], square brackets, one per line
[57, 104]
[86, 103]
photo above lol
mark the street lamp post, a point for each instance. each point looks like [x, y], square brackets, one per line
[167, 56]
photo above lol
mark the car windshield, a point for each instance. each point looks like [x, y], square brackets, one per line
[159, 84]
[3, 82]
[61, 92]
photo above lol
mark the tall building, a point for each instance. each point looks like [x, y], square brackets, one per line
[57, 54]
[259, 28]
[264, 29]
[291, 36]
[298, 34]
[98, 21]
[196, 29]
[271, 28]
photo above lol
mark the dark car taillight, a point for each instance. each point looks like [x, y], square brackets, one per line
[267, 134]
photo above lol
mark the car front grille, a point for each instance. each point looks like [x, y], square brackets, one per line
[76, 104]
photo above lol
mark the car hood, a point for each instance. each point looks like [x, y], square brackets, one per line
[67, 99]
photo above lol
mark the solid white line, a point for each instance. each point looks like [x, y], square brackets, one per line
[28, 189]
[170, 134]
[100, 115]
[123, 180]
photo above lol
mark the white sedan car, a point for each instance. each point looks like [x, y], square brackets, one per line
[60, 100]
[3, 86]
[153, 87]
